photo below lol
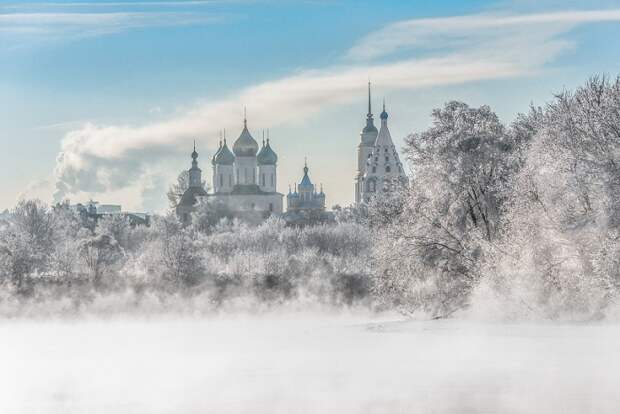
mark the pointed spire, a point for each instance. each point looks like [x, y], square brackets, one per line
[194, 145]
[369, 106]
[224, 136]
[245, 117]
[263, 137]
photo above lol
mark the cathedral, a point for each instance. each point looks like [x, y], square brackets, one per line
[244, 179]
[378, 165]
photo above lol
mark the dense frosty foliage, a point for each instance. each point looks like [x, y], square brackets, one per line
[518, 220]
[54, 260]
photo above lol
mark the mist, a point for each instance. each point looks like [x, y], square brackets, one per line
[306, 362]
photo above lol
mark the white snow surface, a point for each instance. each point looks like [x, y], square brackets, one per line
[307, 363]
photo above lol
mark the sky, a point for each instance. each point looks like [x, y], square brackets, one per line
[102, 99]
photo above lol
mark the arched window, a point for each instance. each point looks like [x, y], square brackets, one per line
[272, 184]
[262, 179]
[387, 169]
[374, 169]
[387, 159]
[221, 180]
[371, 186]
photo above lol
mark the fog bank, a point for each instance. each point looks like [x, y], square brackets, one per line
[305, 363]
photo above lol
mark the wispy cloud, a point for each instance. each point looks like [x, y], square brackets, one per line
[99, 158]
[91, 24]
[473, 32]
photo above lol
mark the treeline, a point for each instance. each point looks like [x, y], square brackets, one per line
[52, 254]
[516, 220]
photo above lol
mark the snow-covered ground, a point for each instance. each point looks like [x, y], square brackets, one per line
[307, 363]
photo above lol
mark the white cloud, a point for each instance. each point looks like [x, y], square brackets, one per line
[100, 158]
[42, 25]
[469, 31]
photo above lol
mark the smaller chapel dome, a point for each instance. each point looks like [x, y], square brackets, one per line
[267, 156]
[384, 114]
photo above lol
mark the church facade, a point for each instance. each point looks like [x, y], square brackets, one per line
[379, 168]
[244, 179]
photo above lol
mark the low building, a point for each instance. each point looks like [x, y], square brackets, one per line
[95, 211]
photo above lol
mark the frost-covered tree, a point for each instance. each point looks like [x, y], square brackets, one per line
[561, 246]
[177, 189]
[431, 237]
[208, 214]
[100, 253]
[177, 252]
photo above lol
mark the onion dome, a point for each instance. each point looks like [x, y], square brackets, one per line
[223, 156]
[384, 114]
[216, 152]
[245, 145]
[267, 156]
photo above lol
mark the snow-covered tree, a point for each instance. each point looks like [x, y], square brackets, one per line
[561, 245]
[431, 237]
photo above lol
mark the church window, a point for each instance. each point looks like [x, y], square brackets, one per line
[230, 180]
[245, 175]
[262, 179]
[387, 169]
[374, 169]
[272, 180]
[371, 186]
[387, 159]
[270, 206]
[221, 180]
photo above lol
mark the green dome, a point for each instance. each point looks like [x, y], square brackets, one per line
[267, 156]
[223, 156]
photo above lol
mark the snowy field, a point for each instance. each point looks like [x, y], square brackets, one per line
[307, 363]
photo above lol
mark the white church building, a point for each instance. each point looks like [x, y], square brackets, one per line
[378, 165]
[245, 179]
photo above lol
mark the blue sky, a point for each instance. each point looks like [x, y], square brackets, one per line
[103, 99]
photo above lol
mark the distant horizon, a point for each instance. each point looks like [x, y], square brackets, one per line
[104, 99]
